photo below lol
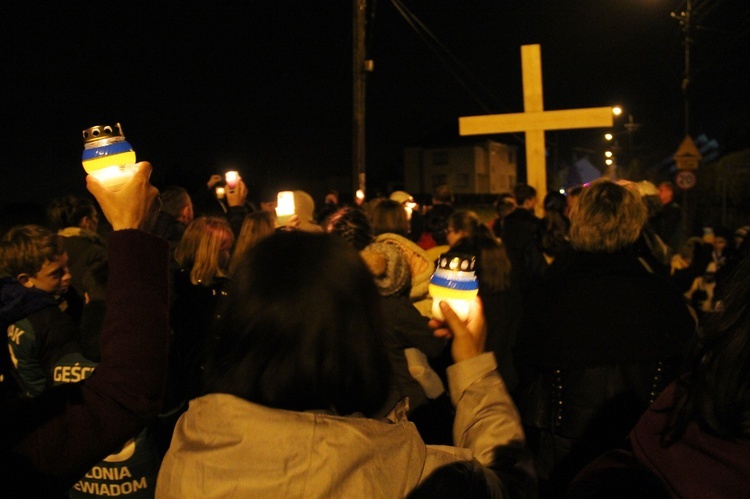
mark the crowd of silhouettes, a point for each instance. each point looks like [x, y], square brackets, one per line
[174, 344]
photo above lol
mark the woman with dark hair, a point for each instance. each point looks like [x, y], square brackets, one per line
[502, 299]
[695, 439]
[553, 230]
[298, 365]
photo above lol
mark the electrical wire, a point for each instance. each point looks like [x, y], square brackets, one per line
[452, 63]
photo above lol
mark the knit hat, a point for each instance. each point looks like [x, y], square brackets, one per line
[388, 266]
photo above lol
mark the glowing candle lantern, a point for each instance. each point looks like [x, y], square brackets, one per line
[107, 156]
[284, 206]
[455, 282]
[232, 178]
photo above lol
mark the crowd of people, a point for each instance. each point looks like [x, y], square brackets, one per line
[206, 347]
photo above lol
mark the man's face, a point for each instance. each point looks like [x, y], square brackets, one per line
[720, 244]
[665, 194]
[53, 277]
[187, 215]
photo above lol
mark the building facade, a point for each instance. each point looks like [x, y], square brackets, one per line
[483, 167]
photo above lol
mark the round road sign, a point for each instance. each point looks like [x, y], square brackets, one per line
[685, 179]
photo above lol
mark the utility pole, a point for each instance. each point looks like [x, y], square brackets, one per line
[686, 22]
[360, 66]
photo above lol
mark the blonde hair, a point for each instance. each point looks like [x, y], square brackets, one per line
[200, 249]
[607, 218]
[255, 227]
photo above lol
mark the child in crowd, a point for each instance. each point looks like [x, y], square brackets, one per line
[34, 266]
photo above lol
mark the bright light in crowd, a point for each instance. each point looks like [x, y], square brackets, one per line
[360, 194]
[608, 161]
[617, 110]
[608, 154]
[562, 191]
[284, 206]
[232, 178]
[608, 136]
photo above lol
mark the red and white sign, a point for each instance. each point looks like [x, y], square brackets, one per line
[685, 179]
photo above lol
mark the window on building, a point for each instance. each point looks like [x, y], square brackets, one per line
[461, 180]
[440, 157]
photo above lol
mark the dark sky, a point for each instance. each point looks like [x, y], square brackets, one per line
[266, 86]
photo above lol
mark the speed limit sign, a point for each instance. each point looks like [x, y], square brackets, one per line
[685, 179]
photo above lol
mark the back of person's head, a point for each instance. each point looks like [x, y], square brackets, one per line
[437, 226]
[608, 217]
[25, 249]
[493, 264]
[304, 207]
[301, 329]
[555, 201]
[389, 267]
[389, 215]
[523, 193]
[352, 225]
[467, 479]
[717, 392]
[442, 194]
[256, 226]
[204, 249]
[504, 204]
[174, 199]
[331, 197]
[469, 222]
[70, 211]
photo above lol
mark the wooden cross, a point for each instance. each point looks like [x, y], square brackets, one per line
[534, 121]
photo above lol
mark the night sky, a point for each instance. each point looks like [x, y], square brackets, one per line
[265, 87]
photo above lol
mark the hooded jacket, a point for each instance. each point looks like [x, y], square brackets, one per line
[225, 446]
[421, 267]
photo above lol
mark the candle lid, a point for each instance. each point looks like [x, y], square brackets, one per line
[457, 261]
[102, 132]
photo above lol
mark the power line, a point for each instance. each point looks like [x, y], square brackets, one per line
[452, 63]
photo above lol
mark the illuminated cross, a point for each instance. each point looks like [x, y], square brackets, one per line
[534, 121]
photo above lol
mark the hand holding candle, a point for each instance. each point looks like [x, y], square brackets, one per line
[455, 282]
[107, 156]
[231, 177]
